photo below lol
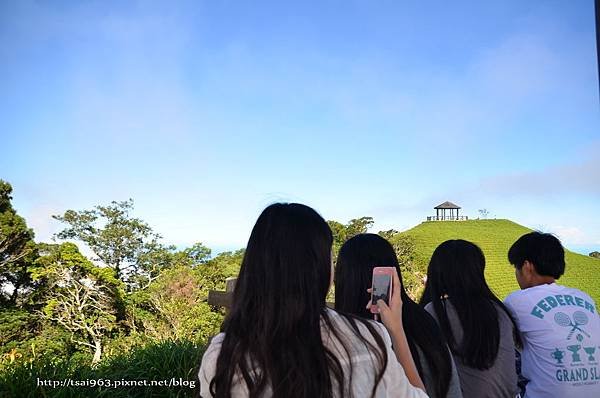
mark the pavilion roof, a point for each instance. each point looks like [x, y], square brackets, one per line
[447, 205]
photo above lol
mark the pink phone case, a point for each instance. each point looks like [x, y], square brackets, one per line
[388, 271]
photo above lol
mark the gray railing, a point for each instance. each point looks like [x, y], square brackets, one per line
[447, 218]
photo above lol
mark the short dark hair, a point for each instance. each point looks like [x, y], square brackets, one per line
[543, 250]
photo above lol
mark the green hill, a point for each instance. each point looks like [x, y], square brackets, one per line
[495, 237]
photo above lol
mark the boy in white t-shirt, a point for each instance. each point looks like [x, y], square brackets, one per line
[559, 326]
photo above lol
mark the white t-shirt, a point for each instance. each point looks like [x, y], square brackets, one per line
[560, 329]
[393, 384]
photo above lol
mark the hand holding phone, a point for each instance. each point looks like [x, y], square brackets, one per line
[381, 286]
[391, 314]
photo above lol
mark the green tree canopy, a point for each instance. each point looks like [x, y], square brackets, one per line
[175, 304]
[17, 250]
[124, 243]
[404, 246]
[343, 232]
[80, 297]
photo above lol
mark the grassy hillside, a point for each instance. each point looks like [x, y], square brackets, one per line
[495, 237]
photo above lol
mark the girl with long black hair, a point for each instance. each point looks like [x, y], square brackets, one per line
[479, 329]
[280, 340]
[356, 260]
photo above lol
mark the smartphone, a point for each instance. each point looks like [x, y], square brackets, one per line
[381, 287]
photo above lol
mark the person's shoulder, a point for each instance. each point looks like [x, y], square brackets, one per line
[212, 351]
[336, 316]
[209, 361]
[516, 295]
[344, 321]
[513, 300]
[520, 300]
[446, 304]
[352, 330]
[214, 347]
[575, 291]
[217, 340]
[529, 293]
[429, 307]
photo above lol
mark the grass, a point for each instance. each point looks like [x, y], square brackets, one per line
[161, 361]
[495, 237]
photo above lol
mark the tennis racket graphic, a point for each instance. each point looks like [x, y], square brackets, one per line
[579, 319]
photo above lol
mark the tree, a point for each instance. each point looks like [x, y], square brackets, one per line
[388, 235]
[484, 213]
[404, 246]
[16, 326]
[17, 249]
[341, 232]
[80, 297]
[216, 270]
[126, 244]
[175, 304]
[595, 254]
[192, 256]
[178, 298]
[358, 226]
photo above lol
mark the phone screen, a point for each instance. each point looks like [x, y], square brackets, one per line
[381, 288]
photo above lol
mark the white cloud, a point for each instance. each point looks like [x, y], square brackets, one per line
[579, 177]
[570, 235]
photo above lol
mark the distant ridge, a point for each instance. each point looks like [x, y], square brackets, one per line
[495, 237]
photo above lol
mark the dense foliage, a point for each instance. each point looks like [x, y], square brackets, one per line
[17, 249]
[174, 362]
[135, 310]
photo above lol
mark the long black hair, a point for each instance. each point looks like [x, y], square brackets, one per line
[354, 269]
[456, 274]
[273, 330]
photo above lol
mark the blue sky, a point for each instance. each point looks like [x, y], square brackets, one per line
[206, 112]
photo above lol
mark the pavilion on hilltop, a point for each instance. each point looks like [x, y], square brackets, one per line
[447, 211]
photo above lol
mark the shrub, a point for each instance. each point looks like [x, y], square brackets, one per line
[178, 360]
